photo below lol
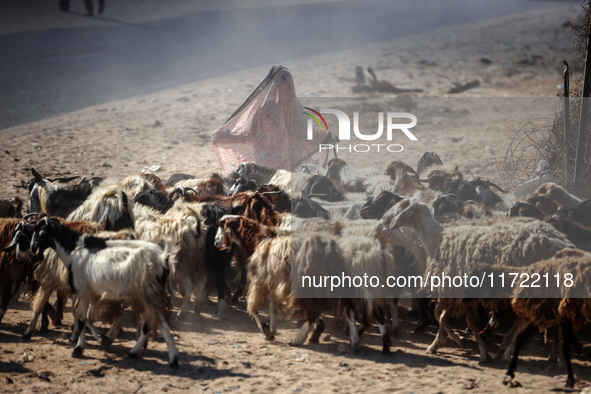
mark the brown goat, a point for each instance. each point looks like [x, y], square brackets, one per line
[11, 208]
[14, 269]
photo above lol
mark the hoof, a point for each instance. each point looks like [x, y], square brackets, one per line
[132, 355]
[294, 343]
[267, 331]
[77, 352]
[510, 382]
[106, 342]
[386, 351]
[570, 383]
[174, 363]
[432, 350]
[27, 336]
[44, 328]
[314, 339]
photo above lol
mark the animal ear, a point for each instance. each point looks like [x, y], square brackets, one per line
[381, 235]
[15, 239]
[107, 225]
[337, 229]
[37, 176]
[64, 180]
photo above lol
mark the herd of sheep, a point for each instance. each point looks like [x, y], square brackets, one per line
[116, 246]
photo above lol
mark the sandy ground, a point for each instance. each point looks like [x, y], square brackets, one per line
[172, 128]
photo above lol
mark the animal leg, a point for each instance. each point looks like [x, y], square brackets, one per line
[384, 330]
[481, 345]
[395, 321]
[139, 345]
[567, 339]
[510, 375]
[319, 327]
[273, 317]
[508, 344]
[441, 336]
[173, 353]
[302, 335]
[354, 334]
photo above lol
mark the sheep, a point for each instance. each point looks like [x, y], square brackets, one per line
[11, 208]
[15, 261]
[548, 305]
[184, 225]
[134, 271]
[456, 250]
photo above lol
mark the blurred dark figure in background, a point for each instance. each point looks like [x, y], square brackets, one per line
[65, 6]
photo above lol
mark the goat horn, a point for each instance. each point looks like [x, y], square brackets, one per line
[316, 195]
[495, 186]
[29, 215]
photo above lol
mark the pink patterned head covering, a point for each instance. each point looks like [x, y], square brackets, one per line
[268, 129]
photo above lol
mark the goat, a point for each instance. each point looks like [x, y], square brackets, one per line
[375, 207]
[54, 198]
[15, 261]
[526, 209]
[561, 196]
[183, 225]
[544, 202]
[156, 199]
[11, 208]
[135, 271]
[304, 207]
[577, 233]
[323, 188]
[52, 276]
[427, 160]
[580, 213]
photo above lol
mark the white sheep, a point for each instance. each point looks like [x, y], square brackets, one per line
[456, 250]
